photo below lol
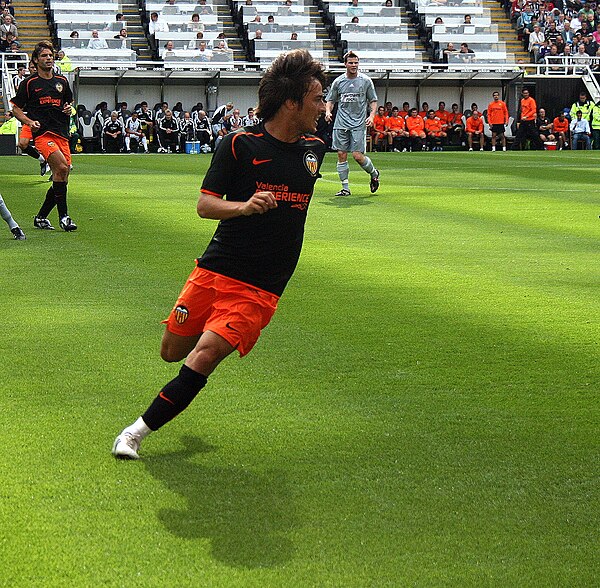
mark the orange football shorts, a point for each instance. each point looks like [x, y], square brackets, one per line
[232, 309]
[26, 132]
[48, 143]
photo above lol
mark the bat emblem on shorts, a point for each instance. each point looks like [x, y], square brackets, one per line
[181, 314]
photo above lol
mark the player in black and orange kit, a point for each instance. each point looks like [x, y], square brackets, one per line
[47, 97]
[259, 185]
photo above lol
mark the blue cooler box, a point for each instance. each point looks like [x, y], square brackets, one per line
[192, 147]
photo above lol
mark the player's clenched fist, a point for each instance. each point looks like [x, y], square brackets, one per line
[259, 203]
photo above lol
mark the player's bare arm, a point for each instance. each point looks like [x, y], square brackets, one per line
[218, 209]
[329, 112]
[372, 113]
[24, 119]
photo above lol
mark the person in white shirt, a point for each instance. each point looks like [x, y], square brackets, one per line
[133, 130]
[21, 75]
[250, 119]
[155, 26]
[204, 54]
[580, 130]
[96, 42]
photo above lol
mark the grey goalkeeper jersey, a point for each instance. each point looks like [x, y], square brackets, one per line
[353, 97]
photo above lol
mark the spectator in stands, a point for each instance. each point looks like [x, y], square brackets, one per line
[170, 8]
[466, 55]
[6, 6]
[455, 126]
[113, 133]
[271, 26]
[196, 25]
[155, 26]
[434, 130]
[168, 50]
[354, 9]
[135, 132]
[387, 9]
[222, 51]
[497, 118]
[581, 59]
[204, 53]
[122, 36]
[75, 41]
[474, 130]
[580, 131]
[353, 26]
[448, 52]
[187, 130]
[64, 62]
[7, 13]
[544, 126]
[8, 27]
[195, 43]
[119, 23]
[168, 132]
[294, 36]
[21, 75]
[396, 129]
[96, 42]
[204, 7]
[415, 127]
[526, 128]
[217, 40]
[560, 130]
[567, 33]
[203, 129]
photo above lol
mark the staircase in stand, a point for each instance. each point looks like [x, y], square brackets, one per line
[32, 25]
[506, 31]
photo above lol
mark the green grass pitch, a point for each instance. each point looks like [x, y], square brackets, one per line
[423, 409]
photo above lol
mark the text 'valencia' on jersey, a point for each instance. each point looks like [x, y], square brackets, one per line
[261, 249]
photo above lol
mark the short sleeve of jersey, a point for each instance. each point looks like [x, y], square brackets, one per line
[222, 171]
[371, 94]
[68, 93]
[22, 96]
[333, 94]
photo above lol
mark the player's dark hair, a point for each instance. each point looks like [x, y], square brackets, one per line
[348, 55]
[288, 78]
[41, 46]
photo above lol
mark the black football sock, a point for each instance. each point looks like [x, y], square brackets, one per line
[32, 152]
[174, 397]
[48, 204]
[60, 195]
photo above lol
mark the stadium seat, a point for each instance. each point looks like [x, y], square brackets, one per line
[89, 139]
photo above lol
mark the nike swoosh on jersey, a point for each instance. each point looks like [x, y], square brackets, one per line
[259, 161]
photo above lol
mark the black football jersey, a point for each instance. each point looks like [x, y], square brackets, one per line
[262, 249]
[43, 100]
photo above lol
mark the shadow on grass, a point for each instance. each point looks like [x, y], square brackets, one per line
[347, 201]
[244, 514]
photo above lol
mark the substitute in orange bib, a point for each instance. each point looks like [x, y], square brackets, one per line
[474, 130]
[526, 129]
[434, 130]
[497, 116]
[47, 97]
[259, 186]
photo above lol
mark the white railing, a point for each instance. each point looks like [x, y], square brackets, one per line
[9, 63]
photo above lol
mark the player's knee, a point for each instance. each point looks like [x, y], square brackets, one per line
[171, 354]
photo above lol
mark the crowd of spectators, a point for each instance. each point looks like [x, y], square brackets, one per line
[9, 33]
[428, 129]
[564, 28]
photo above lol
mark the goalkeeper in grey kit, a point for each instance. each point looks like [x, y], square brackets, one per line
[354, 93]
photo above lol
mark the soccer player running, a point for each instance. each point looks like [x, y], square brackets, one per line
[267, 174]
[353, 92]
[497, 114]
[47, 97]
